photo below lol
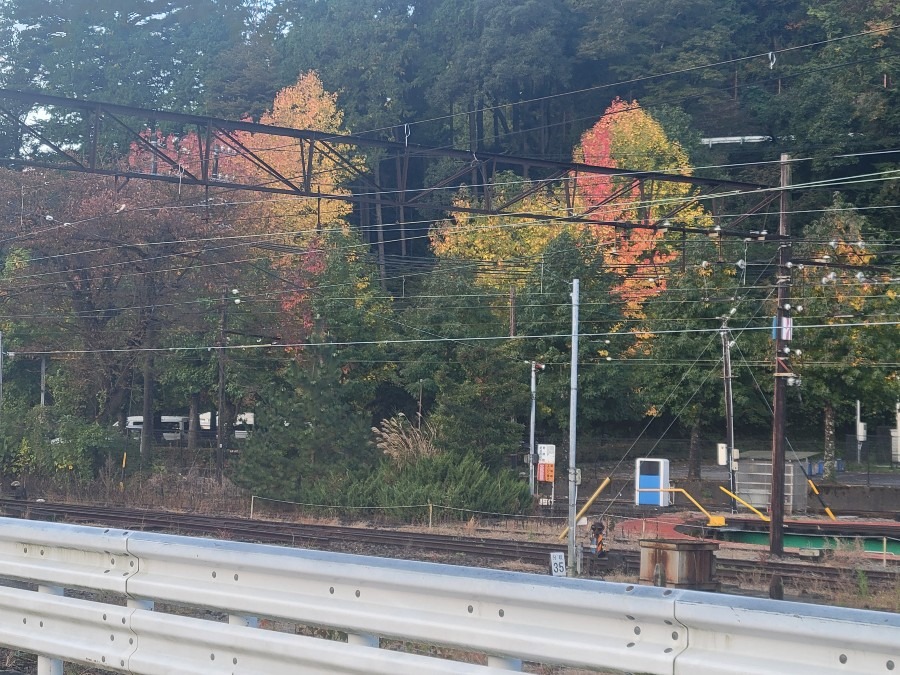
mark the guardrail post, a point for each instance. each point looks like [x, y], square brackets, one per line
[363, 640]
[504, 663]
[246, 621]
[46, 665]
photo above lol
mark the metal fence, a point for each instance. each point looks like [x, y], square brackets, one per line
[360, 605]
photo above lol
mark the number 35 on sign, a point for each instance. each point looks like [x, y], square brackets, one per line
[558, 564]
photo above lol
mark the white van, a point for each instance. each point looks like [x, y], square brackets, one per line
[171, 427]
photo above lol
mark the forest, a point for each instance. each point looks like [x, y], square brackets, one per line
[386, 347]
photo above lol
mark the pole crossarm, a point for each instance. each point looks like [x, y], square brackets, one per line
[47, 134]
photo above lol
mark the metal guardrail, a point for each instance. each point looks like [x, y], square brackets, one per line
[508, 616]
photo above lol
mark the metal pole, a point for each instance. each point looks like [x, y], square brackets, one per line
[220, 420]
[45, 664]
[573, 407]
[729, 412]
[782, 368]
[531, 448]
[858, 435]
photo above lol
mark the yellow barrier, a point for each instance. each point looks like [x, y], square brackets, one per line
[755, 510]
[713, 521]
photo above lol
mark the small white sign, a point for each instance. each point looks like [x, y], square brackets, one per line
[546, 453]
[722, 452]
[558, 564]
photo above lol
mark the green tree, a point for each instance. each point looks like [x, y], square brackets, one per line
[681, 378]
[493, 54]
[375, 82]
[545, 314]
[140, 52]
[315, 410]
[471, 382]
[842, 364]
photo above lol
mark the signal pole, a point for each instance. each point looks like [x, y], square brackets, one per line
[782, 367]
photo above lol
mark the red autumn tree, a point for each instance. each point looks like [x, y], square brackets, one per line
[627, 137]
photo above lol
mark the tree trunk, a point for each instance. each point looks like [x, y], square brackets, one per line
[479, 124]
[193, 439]
[694, 463]
[830, 470]
[379, 229]
[147, 424]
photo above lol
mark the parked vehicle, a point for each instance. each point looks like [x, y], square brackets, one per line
[169, 427]
[243, 423]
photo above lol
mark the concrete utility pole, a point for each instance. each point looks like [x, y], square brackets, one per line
[573, 408]
[860, 436]
[782, 366]
[729, 411]
[531, 448]
[221, 439]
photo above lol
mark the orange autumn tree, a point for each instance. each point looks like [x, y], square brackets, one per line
[306, 105]
[311, 225]
[627, 137]
[303, 105]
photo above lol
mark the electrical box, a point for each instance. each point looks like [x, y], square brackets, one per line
[650, 477]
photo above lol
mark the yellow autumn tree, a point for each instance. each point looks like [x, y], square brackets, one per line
[509, 242]
[303, 105]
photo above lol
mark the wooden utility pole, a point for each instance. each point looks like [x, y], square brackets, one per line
[782, 366]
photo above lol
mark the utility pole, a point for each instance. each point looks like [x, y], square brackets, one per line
[860, 435]
[535, 366]
[729, 410]
[220, 417]
[573, 408]
[782, 366]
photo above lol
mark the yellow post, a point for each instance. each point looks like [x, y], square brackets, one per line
[587, 505]
[762, 515]
[713, 521]
[122, 482]
[816, 491]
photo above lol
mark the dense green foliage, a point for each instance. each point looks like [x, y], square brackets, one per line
[240, 303]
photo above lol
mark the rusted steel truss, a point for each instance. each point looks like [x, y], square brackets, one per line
[38, 122]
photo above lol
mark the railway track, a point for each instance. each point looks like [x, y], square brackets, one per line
[465, 549]
[294, 534]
